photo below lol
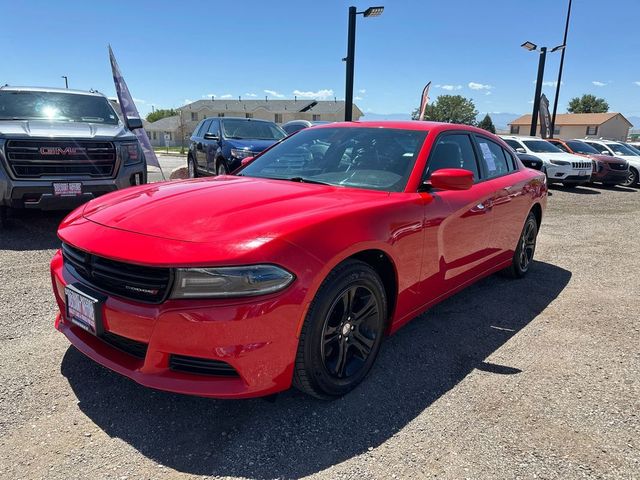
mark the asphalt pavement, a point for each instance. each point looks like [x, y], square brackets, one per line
[532, 378]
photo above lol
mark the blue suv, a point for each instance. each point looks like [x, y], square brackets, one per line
[218, 145]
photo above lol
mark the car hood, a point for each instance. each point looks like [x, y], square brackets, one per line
[607, 159]
[46, 128]
[568, 157]
[253, 145]
[224, 209]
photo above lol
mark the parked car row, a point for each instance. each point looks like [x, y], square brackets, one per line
[578, 162]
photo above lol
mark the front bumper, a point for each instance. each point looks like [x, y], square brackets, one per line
[256, 337]
[610, 176]
[39, 194]
[566, 174]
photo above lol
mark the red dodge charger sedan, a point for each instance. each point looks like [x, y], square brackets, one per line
[295, 269]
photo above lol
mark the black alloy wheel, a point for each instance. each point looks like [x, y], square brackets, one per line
[342, 332]
[525, 250]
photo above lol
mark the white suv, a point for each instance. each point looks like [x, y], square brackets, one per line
[559, 166]
[617, 149]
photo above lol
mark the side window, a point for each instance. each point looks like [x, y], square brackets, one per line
[201, 129]
[453, 151]
[561, 146]
[511, 161]
[513, 143]
[214, 127]
[493, 157]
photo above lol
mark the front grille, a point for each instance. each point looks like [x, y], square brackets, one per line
[127, 345]
[146, 284]
[201, 366]
[55, 158]
[588, 165]
[618, 166]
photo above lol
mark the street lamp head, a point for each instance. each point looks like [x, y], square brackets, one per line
[373, 11]
[529, 46]
[559, 47]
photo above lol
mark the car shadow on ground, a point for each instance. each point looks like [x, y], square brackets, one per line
[31, 230]
[579, 189]
[614, 188]
[297, 435]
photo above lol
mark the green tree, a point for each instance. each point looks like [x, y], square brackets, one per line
[450, 109]
[588, 104]
[487, 124]
[161, 113]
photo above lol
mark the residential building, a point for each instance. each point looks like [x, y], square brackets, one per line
[613, 126]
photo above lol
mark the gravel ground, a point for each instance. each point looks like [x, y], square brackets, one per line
[536, 378]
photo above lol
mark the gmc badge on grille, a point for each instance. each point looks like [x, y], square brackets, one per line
[61, 151]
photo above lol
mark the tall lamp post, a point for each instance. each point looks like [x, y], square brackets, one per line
[66, 81]
[555, 100]
[536, 99]
[351, 50]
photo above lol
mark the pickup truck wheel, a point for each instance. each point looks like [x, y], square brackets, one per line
[523, 255]
[342, 332]
[191, 166]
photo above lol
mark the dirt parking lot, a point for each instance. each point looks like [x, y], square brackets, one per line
[536, 378]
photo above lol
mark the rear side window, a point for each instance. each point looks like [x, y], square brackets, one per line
[493, 158]
[453, 151]
[561, 146]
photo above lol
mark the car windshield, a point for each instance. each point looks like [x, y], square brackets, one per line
[633, 148]
[541, 146]
[360, 157]
[581, 147]
[620, 149]
[69, 107]
[250, 129]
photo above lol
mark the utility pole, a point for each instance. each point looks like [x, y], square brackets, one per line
[555, 100]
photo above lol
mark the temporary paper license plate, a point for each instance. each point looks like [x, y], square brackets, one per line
[83, 310]
[70, 189]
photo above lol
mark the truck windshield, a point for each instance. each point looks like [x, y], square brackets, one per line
[70, 107]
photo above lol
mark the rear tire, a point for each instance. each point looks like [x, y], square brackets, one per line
[342, 332]
[523, 255]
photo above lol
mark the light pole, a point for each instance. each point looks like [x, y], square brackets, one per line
[351, 49]
[536, 99]
[555, 100]
[66, 81]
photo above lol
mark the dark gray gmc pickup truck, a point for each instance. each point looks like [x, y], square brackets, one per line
[60, 148]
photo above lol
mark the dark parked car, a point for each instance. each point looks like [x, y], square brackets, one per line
[295, 125]
[218, 145]
[530, 161]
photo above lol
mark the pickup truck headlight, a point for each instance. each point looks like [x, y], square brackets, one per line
[560, 162]
[229, 282]
[240, 154]
[131, 153]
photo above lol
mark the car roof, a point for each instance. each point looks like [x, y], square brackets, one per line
[241, 118]
[407, 125]
[597, 140]
[520, 137]
[7, 88]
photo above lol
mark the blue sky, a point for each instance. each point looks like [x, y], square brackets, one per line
[170, 52]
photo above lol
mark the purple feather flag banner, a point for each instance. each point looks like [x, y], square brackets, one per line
[129, 110]
[424, 100]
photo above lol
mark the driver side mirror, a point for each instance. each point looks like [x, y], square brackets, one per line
[210, 136]
[134, 123]
[246, 161]
[520, 150]
[606, 152]
[451, 179]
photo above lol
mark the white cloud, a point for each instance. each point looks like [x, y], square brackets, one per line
[362, 91]
[479, 86]
[449, 88]
[250, 95]
[637, 83]
[187, 101]
[549, 83]
[226, 95]
[357, 98]
[209, 95]
[599, 84]
[487, 93]
[273, 93]
[321, 94]
[139, 100]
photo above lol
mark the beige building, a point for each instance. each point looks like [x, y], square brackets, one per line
[613, 126]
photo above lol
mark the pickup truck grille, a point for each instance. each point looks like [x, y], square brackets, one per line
[135, 282]
[55, 158]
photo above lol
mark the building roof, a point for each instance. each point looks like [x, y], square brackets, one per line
[166, 123]
[314, 106]
[579, 119]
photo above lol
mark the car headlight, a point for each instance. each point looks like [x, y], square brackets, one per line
[229, 282]
[240, 154]
[560, 162]
[131, 153]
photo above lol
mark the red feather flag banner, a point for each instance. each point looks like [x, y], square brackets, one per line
[129, 110]
[424, 100]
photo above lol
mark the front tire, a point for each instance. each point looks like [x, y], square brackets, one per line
[632, 178]
[221, 168]
[342, 333]
[523, 255]
[191, 166]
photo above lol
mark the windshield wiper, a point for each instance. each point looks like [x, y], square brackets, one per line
[306, 180]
